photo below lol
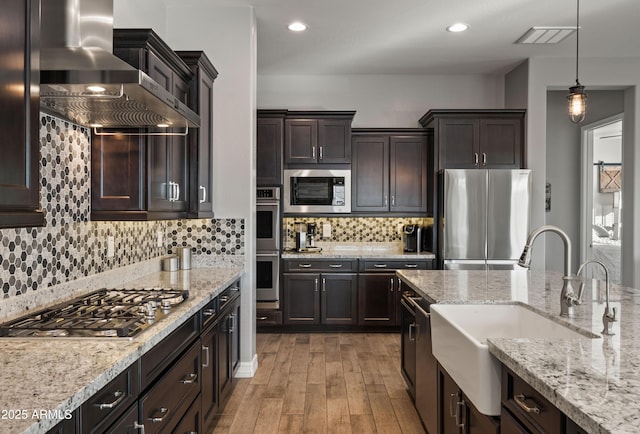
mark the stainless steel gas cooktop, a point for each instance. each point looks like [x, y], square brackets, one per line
[102, 313]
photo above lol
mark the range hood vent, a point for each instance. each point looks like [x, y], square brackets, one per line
[82, 80]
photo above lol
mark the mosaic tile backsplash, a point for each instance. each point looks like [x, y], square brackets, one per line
[355, 229]
[70, 246]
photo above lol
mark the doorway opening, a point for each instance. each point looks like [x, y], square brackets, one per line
[601, 215]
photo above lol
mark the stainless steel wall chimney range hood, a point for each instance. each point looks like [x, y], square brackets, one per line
[82, 80]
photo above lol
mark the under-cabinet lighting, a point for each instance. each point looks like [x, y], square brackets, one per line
[95, 88]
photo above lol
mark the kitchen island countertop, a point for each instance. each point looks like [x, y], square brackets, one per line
[58, 375]
[594, 381]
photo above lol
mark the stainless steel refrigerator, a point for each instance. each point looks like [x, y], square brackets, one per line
[484, 218]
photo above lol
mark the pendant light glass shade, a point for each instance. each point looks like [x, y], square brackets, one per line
[577, 98]
[577, 103]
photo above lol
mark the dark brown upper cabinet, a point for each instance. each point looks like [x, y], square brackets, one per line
[269, 147]
[138, 177]
[200, 139]
[389, 171]
[477, 139]
[317, 137]
[20, 115]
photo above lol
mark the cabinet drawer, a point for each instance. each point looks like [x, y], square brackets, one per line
[268, 317]
[179, 385]
[162, 355]
[105, 406]
[315, 265]
[529, 406]
[385, 264]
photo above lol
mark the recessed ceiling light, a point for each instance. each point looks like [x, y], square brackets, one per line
[163, 125]
[297, 26]
[96, 125]
[457, 27]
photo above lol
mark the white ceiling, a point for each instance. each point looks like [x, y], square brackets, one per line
[409, 37]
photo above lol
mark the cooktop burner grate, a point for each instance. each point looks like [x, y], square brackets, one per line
[102, 313]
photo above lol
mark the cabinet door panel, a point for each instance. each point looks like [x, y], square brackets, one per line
[459, 143]
[269, 151]
[370, 170]
[19, 113]
[449, 396]
[501, 143]
[201, 191]
[301, 298]
[117, 173]
[408, 174]
[339, 298]
[333, 141]
[300, 141]
[376, 299]
[209, 392]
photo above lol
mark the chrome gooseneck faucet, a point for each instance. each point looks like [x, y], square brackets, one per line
[609, 316]
[568, 298]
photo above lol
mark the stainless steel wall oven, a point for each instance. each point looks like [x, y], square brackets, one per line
[268, 238]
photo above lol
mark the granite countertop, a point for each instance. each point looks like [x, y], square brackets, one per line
[58, 375]
[357, 251]
[594, 381]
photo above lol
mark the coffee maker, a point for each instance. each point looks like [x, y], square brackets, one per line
[301, 235]
[311, 234]
[412, 238]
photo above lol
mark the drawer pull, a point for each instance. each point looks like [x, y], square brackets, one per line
[209, 312]
[108, 405]
[520, 400]
[391, 285]
[163, 411]
[304, 265]
[262, 318]
[138, 426]
[380, 265]
[411, 265]
[189, 379]
[335, 265]
[224, 298]
[324, 285]
[206, 350]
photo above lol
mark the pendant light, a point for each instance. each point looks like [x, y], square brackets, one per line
[577, 98]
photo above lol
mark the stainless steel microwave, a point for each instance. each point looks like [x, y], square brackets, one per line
[317, 191]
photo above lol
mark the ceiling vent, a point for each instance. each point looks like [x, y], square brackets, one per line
[546, 35]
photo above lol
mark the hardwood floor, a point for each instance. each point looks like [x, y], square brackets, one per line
[322, 383]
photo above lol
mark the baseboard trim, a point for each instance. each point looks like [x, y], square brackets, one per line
[247, 369]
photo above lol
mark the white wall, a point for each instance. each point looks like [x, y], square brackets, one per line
[228, 36]
[381, 100]
[563, 171]
[545, 74]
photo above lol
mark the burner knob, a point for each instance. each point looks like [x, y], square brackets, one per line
[166, 306]
[150, 311]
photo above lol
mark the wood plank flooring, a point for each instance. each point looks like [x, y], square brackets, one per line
[322, 383]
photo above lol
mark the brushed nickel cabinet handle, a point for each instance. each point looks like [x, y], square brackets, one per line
[189, 378]
[520, 400]
[206, 351]
[380, 265]
[335, 265]
[262, 318]
[475, 158]
[108, 405]
[304, 265]
[411, 265]
[324, 285]
[484, 158]
[315, 285]
[391, 284]
[313, 152]
[163, 411]
[321, 156]
[138, 426]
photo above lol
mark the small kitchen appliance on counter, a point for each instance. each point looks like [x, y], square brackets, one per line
[311, 234]
[301, 235]
[412, 238]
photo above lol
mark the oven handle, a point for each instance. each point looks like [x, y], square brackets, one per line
[268, 255]
[268, 203]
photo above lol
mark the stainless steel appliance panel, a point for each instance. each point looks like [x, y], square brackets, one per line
[268, 278]
[465, 265]
[465, 214]
[508, 210]
[321, 197]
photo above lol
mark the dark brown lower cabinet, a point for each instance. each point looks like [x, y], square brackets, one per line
[228, 356]
[192, 420]
[377, 299]
[320, 298]
[525, 410]
[457, 414]
[69, 426]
